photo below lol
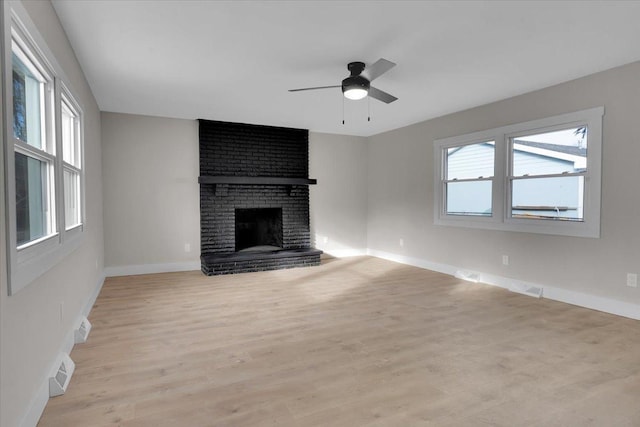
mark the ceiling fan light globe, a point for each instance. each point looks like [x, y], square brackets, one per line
[355, 93]
[355, 87]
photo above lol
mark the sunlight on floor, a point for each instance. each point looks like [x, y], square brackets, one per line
[340, 278]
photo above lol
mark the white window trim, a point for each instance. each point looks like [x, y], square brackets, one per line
[501, 192]
[34, 258]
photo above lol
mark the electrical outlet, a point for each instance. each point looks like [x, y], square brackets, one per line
[632, 280]
[402, 243]
[505, 259]
[187, 247]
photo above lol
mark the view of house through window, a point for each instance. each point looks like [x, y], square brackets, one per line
[546, 179]
[547, 174]
[469, 179]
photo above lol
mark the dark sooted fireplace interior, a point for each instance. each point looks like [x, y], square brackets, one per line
[258, 229]
[254, 198]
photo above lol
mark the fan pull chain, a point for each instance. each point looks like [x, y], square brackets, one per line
[368, 108]
[343, 110]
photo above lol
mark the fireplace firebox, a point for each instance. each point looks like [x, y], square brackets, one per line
[258, 229]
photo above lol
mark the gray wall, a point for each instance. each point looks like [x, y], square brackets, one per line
[339, 200]
[400, 193]
[31, 328]
[151, 193]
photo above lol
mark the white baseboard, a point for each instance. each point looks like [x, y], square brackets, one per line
[594, 302]
[607, 305]
[344, 253]
[41, 398]
[416, 262]
[133, 270]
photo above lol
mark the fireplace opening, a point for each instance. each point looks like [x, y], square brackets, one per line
[258, 229]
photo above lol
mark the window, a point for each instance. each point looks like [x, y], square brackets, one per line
[547, 173]
[43, 155]
[33, 146]
[71, 161]
[541, 177]
[468, 179]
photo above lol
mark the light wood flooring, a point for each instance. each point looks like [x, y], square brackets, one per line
[353, 342]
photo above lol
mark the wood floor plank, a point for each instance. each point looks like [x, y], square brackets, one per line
[357, 341]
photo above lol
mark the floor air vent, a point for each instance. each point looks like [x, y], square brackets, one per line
[60, 378]
[469, 276]
[532, 291]
[82, 331]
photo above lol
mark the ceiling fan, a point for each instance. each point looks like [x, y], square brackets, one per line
[358, 84]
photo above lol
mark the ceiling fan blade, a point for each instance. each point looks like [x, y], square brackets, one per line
[377, 69]
[381, 95]
[313, 88]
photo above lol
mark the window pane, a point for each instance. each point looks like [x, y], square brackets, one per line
[548, 198]
[470, 161]
[469, 198]
[27, 105]
[71, 198]
[30, 198]
[69, 135]
[550, 153]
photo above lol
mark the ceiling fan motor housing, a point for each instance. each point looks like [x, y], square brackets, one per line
[356, 68]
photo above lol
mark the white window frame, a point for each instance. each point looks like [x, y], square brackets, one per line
[501, 218]
[66, 97]
[446, 181]
[29, 261]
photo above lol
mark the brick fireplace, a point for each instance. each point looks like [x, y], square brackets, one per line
[254, 198]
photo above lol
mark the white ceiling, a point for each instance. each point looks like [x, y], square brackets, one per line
[234, 61]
